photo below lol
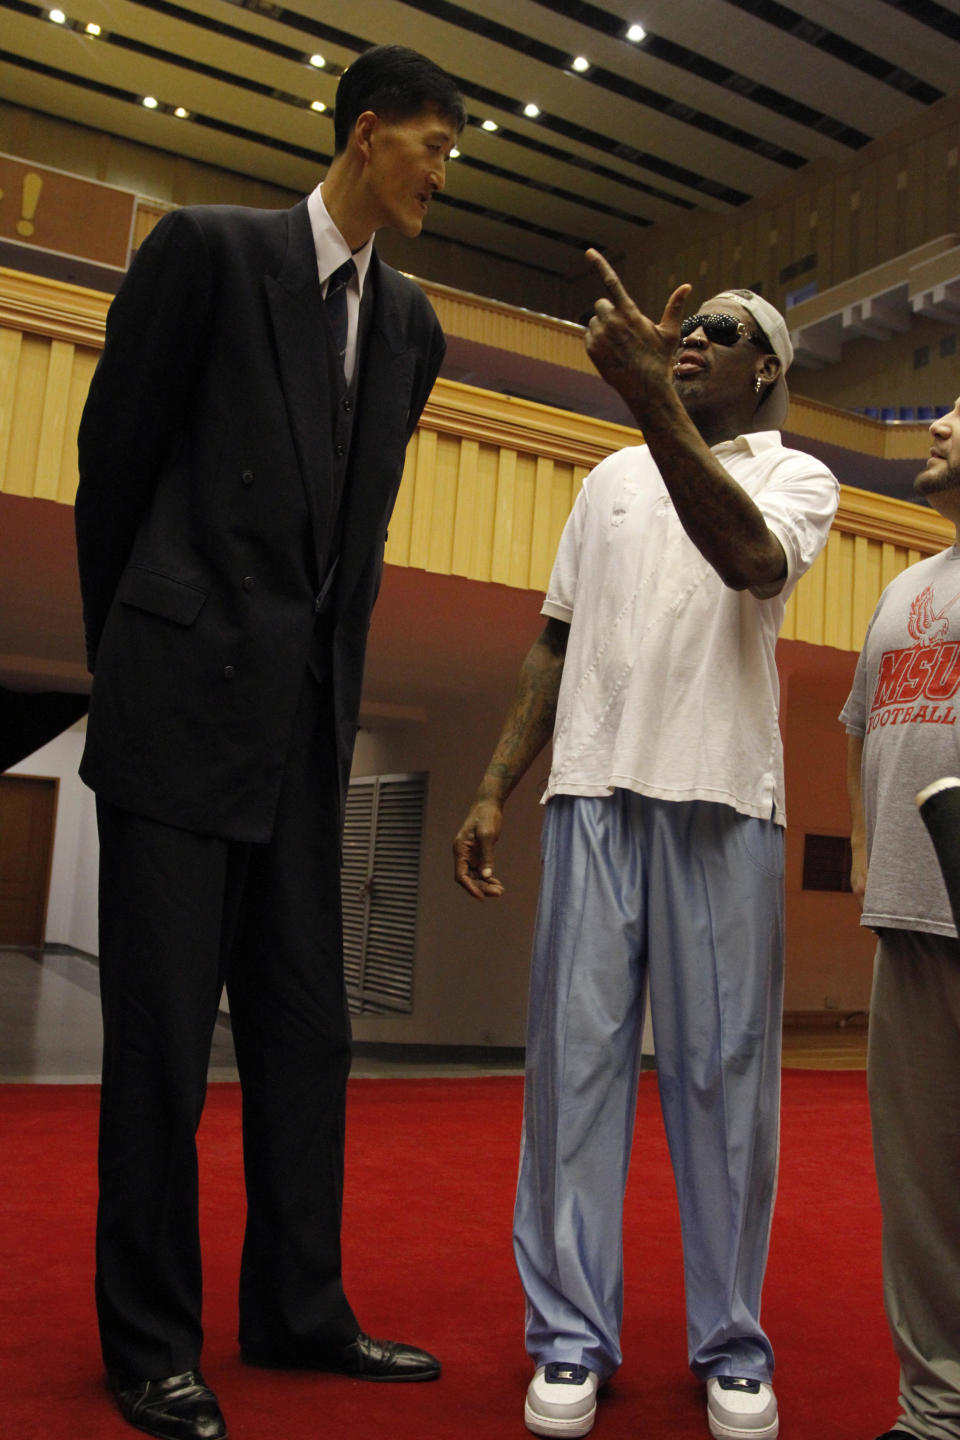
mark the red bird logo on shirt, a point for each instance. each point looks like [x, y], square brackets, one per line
[926, 625]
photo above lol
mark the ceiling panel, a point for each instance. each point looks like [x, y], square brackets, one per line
[724, 101]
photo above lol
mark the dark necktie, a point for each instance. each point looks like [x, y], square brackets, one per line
[336, 303]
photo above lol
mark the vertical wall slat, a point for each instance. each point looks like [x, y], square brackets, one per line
[397, 550]
[11, 342]
[467, 519]
[522, 525]
[53, 421]
[422, 516]
[503, 522]
[443, 503]
[541, 554]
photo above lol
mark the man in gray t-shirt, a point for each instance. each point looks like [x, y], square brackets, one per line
[902, 723]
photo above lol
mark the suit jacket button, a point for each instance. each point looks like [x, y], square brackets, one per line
[248, 582]
[247, 477]
[340, 450]
[228, 672]
[348, 404]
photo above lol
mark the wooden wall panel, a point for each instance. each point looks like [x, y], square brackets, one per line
[11, 343]
[863, 219]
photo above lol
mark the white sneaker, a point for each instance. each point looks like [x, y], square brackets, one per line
[561, 1400]
[741, 1409]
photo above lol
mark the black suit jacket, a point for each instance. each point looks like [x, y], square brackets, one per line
[204, 510]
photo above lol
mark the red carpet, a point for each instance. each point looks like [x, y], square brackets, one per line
[430, 1175]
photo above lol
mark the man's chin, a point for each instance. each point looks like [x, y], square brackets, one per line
[409, 226]
[936, 479]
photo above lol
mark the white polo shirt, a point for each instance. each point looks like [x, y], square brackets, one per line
[670, 685]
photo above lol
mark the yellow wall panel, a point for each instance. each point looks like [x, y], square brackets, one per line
[481, 561]
[84, 364]
[397, 550]
[11, 342]
[830, 620]
[810, 601]
[503, 516]
[542, 550]
[53, 421]
[30, 387]
[422, 517]
[865, 588]
[443, 504]
[524, 494]
[466, 518]
[489, 479]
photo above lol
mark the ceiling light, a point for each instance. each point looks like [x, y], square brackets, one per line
[317, 61]
[580, 64]
[636, 33]
[150, 102]
[181, 114]
[531, 110]
[57, 16]
[490, 125]
[454, 153]
[317, 105]
[93, 28]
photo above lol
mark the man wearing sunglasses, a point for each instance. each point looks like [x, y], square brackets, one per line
[662, 848]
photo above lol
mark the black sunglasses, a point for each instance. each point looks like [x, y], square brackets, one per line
[720, 329]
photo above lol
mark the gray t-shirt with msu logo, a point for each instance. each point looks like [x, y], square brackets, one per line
[905, 703]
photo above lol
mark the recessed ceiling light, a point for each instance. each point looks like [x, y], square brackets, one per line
[58, 17]
[181, 114]
[318, 105]
[490, 125]
[636, 33]
[532, 110]
[317, 61]
[581, 63]
[150, 102]
[93, 28]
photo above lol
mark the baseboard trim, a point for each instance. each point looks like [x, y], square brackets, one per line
[824, 1019]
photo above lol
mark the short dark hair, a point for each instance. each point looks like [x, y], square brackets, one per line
[394, 83]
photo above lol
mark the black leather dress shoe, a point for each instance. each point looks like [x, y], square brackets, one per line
[369, 1359]
[180, 1407]
[364, 1358]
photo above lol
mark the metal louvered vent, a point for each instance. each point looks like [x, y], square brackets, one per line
[380, 886]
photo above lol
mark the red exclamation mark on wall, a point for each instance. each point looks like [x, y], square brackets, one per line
[32, 185]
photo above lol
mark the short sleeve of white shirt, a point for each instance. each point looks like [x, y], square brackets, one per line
[798, 501]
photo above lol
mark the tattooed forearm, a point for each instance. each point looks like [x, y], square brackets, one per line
[530, 719]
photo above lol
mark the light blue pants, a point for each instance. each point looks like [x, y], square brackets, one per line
[690, 893]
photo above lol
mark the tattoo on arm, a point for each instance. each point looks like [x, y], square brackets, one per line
[530, 719]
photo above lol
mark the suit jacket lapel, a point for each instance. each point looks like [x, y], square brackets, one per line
[379, 433]
[296, 310]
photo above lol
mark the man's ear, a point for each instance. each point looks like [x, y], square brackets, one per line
[363, 130]
[769, 370]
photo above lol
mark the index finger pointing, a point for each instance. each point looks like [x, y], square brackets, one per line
[609, 279]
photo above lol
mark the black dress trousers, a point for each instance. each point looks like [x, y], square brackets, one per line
[180, 915]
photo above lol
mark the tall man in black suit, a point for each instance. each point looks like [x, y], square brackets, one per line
[240, 454]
